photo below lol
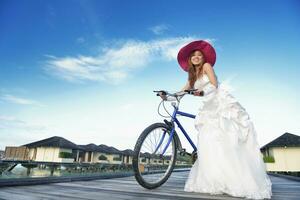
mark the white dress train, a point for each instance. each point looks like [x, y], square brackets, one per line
[229, 159]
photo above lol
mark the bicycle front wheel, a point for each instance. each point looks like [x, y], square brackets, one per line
[152, 166]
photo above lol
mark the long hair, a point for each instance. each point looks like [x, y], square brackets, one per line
[193, 75]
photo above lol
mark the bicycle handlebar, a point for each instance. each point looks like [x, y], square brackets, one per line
[176, 94]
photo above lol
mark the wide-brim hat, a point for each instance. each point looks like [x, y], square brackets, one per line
[206, 49]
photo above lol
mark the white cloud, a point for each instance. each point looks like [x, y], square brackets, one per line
[10, 122]
[159, 29]
[15, 131]
[19, 100]
[117, 62]
[4, 118]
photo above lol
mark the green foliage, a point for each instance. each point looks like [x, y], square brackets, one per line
[269, 159]
[65, 155]
[102, 157]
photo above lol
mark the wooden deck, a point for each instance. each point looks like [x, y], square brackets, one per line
[127, 188]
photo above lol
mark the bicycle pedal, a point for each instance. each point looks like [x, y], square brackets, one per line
[189, 154]
[182, 152]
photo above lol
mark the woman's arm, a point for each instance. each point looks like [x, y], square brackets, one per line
[170, 98]
[187, 86]
[208, 69]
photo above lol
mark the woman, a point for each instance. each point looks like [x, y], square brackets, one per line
[229, 160]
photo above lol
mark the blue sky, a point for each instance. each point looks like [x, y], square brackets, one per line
[85, 70]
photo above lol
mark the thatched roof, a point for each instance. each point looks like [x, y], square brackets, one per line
[110, 149]
[64, 143]
[91, 147]
[54, 141]
[128, 152]
[287, 139]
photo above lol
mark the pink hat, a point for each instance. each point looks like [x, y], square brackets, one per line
[207, 50]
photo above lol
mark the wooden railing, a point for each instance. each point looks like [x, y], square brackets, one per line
[20, 168]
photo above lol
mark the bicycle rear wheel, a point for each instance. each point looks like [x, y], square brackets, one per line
[151, 168]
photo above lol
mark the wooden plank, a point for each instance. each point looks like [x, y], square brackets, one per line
[128, 188]
[16, 153]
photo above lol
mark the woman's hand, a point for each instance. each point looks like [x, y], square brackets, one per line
[163, 96]
[198, 93]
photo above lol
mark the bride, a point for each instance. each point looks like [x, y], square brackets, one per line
[229, 159]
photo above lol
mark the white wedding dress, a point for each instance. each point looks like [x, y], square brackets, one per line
[229, 159]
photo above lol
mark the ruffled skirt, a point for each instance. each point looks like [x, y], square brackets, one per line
[229, 159]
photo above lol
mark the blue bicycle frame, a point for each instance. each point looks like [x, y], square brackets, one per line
[174, 119]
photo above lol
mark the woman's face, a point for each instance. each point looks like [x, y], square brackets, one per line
[197, 57]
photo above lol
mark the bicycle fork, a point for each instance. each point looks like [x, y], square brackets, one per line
[171, 127]
[162, 139]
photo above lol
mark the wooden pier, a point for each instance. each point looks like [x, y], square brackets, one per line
[128, 188]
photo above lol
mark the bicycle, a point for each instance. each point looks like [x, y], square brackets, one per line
[155, 154]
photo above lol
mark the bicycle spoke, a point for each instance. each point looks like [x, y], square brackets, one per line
[149, 146]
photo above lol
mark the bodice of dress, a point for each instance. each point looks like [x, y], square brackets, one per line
[203, 84]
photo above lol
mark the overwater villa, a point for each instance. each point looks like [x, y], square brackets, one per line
[60, 150]
[127, 156]
[280, 155]
[53, 149]
[283, 154]
[93, 153]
